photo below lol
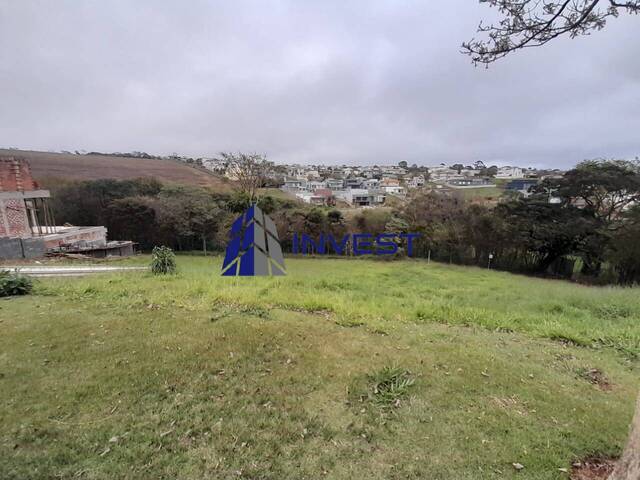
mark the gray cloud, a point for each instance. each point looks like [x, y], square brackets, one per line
[310, 82]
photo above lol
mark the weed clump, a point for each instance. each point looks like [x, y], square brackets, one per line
[163, 261]
[14, 284]
[389, 386]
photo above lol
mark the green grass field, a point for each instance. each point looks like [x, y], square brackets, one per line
[198, 376]
[481, 192]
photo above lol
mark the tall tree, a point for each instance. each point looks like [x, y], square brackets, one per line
[604, 189]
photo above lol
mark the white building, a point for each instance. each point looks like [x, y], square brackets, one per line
[510, 172]
[416, 182]
[394, 189]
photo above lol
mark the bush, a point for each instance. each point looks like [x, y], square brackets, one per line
[163, 261]
[14, 284]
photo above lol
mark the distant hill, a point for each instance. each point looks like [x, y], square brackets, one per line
[46, 166]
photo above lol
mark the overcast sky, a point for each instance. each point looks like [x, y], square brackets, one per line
[310, 82]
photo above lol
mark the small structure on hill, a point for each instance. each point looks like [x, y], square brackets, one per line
[27, 225]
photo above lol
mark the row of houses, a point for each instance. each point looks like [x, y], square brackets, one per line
[356, 191]
[371, 185]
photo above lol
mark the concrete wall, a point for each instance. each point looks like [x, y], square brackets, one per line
[94, 236]
[10, 248]
[33, 247]
[13, 248]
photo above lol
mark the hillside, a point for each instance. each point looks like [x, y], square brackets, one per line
[200, 376]
[46, 165]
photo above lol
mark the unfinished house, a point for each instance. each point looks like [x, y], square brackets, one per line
[27, 226]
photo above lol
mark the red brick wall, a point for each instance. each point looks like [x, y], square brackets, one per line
[3, 221]
[13, 214]
[15, 175]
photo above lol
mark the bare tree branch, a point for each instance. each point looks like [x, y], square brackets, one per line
[248, 170]
[532, 23]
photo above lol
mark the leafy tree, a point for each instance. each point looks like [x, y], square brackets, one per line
[489, 172]
[605, 187]
[85, 202]
[623, 250]
[439, 219]
[190, 216]
[239, 201]
[483, 230]
[267, 204]
[131, 218]
[544, 231]
[458, 167]
[335, 216]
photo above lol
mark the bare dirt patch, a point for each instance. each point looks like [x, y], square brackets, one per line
[595, 376]
[592, 468]
[46, 166]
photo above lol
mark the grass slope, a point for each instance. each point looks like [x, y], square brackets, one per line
[46, 166]
[199, 376]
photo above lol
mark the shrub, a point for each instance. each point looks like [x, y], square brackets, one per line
[163, 261]
[14, 284]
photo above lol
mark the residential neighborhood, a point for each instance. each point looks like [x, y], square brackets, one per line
[373, 185]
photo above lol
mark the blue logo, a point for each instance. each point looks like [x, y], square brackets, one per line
[356, 243]
[254, 248]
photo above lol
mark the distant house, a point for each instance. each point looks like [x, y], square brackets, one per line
[312, 186]
[334, 183]
[510, 172]
[354, 182]
[470, 182]
[416, 182]
[360, 197]
[327, 195]
[294, 184]
[371, 183]
[443, 174]
[215, 165]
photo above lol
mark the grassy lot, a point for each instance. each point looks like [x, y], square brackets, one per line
[480, 192]
[198, 376]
